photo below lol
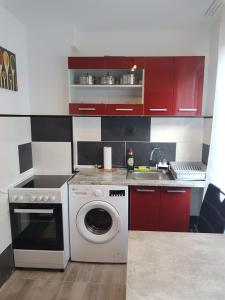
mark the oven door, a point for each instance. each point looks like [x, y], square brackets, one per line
[36, 226]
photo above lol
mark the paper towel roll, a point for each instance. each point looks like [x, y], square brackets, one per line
[107, 158]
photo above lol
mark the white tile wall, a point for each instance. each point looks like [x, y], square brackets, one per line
[187, 151]
[52, 157]
[87, 129]
[176, 130]
[207, 131]
[186, 132]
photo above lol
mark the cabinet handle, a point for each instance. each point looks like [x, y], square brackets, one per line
[86, 108]
[145, 191]
[187, 109]
[124, 109]
[158, 109]
[33, 211]
[176, 191]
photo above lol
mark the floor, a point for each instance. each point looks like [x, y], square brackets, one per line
[79, 281]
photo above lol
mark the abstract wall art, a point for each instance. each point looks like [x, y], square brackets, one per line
[8, 75]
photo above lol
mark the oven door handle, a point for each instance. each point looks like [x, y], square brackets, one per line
[33, 211]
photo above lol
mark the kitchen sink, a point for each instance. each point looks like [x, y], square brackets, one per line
[154, 175]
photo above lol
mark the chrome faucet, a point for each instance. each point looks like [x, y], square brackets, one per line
[153, 151]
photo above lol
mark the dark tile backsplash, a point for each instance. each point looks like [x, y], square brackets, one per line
[51, 129]
[205, 153]
[142, 152]
[25, 157]
[6, 264]
[125, 129]
[91, 153]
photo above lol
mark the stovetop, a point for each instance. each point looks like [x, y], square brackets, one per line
[44, 181]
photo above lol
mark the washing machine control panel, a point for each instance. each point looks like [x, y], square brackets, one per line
[117, 193]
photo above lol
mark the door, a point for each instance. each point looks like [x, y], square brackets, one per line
[144, 208]
[188, 89]
[175, 209]
[36, 226]
[98, 222]
[159, 86]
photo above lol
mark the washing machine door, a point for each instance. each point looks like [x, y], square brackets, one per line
[98, 222]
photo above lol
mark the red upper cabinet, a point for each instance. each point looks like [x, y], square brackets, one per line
[95, 62]
[159, 86]
[188, 88]
[119, 62]
[125, 62]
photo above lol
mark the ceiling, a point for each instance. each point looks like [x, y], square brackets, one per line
[112, 15]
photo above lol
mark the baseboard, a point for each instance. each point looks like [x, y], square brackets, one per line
[6, 264]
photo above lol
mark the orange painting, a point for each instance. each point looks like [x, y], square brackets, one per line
[8, 75]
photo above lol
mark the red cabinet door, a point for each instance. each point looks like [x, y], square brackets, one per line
[124, 109]
[144, 208]
[119, 62]
[175, 209]
[159, 86]
[87, 109]
[94, 62]
[188, 88]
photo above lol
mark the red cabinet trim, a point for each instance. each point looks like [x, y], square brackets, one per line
[87, 109]
[124, 109]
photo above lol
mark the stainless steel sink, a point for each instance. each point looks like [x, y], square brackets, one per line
[154, 175]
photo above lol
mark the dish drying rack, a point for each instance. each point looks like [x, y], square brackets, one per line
[188, 170]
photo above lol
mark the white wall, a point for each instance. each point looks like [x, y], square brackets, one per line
[212, 67]
[152, 42]
[216, 162]
[13, 131]
[13, 38]
[49, 46]
[48, 49]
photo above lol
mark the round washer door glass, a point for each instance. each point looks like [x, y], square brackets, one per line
[98, 221]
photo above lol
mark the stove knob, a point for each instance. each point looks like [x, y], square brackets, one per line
[34, 198]
[21, 198]
[40, 198]
[98, 193]
[15, 198]
[53, 198]
[46, 198]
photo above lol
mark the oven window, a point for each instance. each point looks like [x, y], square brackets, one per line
[98, 221]
[37, 226]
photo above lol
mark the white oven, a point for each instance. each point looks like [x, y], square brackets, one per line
[39, 222]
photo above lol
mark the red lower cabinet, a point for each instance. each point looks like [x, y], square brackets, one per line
[144, 208]
[87, 109]
[175, 209]
[159, 208]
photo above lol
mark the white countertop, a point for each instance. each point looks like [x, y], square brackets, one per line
[176, 266]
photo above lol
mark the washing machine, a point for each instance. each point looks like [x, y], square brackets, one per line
[98, 223]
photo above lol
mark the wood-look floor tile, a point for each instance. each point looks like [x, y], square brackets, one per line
[65, 291]
[120, 274]
[84, 273]
[80, 281]
[44, 290]
[118, 292]
[78, 291]
[96, 273]
[17, 289]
